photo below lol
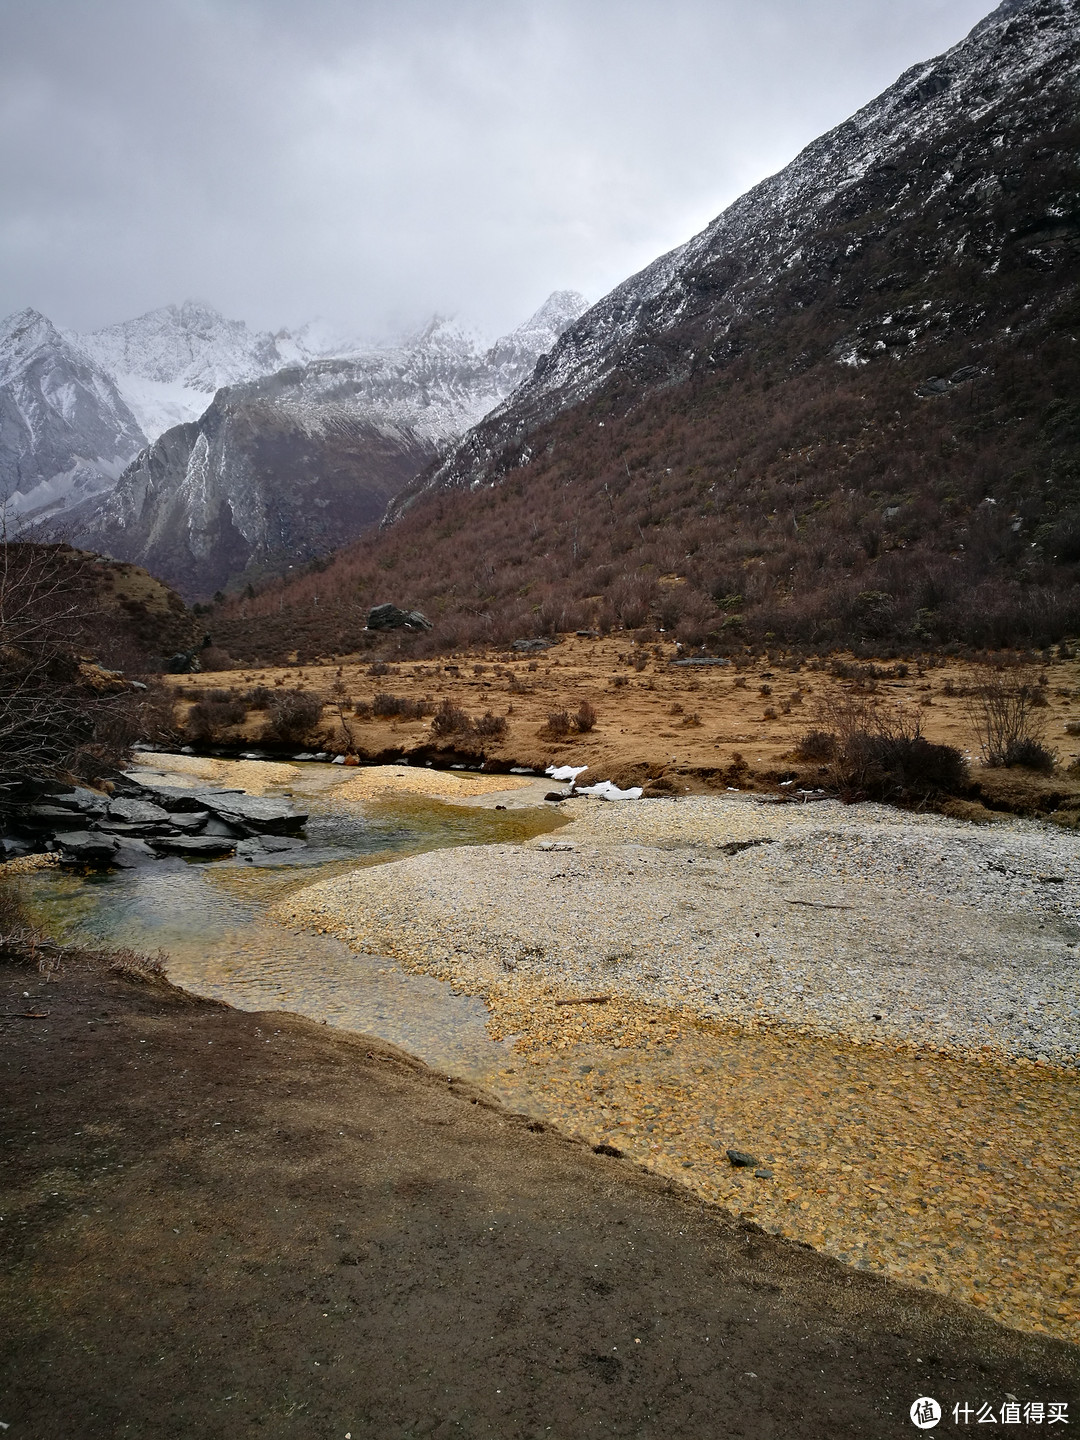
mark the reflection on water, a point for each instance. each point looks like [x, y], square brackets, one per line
[210, 920]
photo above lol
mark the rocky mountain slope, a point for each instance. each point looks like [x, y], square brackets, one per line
[65, 431]
[938, 148]
[169, 363]
[846, 412]
[285, 468]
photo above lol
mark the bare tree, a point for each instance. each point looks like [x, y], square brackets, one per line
[59, 715]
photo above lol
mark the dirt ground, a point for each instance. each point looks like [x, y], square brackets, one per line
[671, 727]
[226, 1224]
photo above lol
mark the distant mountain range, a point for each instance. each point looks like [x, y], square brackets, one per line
[189, 443]
[846, 413]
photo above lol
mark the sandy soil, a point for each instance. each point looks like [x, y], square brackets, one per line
[388, 780]
[671, 727]
[219, 1224]
[257, 777]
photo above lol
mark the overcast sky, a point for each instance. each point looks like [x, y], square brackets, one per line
[372, 161]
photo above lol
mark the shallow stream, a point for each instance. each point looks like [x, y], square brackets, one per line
[208, 919]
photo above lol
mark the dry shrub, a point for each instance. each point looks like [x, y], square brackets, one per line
[400, 707]
[293, 717]
[585, 717]
[212, 657]
[816, 745]
[208, 720]
[879, 752]
[491, 727]
[450, 719]
[1000, 711]
[556, 725]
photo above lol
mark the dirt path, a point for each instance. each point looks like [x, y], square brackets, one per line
[226, 1224]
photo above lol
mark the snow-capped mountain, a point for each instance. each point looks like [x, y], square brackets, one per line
[937, 142]
[169, 363]
[75, 409]
[65, 431]
[293, 464]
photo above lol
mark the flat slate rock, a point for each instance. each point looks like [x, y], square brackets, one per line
[51, 817]
[194, 844]
[83, 847]
[137, 812]
[257, 813]
[131, 851]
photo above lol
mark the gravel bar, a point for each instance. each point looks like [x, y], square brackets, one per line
[856, 921]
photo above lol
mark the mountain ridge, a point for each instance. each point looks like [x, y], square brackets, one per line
[65, 429]
[850, 419]
[280, 470]
[651, 303]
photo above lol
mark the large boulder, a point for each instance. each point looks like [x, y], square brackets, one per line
[257, 814]
[389, 617]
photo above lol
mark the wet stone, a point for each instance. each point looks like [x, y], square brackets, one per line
[48, 817]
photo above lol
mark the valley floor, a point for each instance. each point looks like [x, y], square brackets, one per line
[879, 1007]
[221, 1224]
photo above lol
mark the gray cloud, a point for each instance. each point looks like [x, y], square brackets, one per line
[374, 160]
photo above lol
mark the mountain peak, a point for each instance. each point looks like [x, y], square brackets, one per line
[27, 327]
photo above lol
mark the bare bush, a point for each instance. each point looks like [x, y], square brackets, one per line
[1000, 710]
[400, 707]
[491, 727]
[450, 719]
[208, 720]
[880, 752]
[556, 725]
[58, 714]
[816, 745]
[585, 717]
[293, 717]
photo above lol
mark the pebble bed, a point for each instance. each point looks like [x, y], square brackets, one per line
[880, 1007]
[854, 921]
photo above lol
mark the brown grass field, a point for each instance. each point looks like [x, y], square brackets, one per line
[671, 728]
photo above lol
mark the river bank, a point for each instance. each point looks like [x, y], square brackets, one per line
[221, 1223]
[653, 716]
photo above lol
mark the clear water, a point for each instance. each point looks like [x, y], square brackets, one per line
[208, 921]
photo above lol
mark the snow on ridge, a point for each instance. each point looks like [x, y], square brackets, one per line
[1009, 45]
